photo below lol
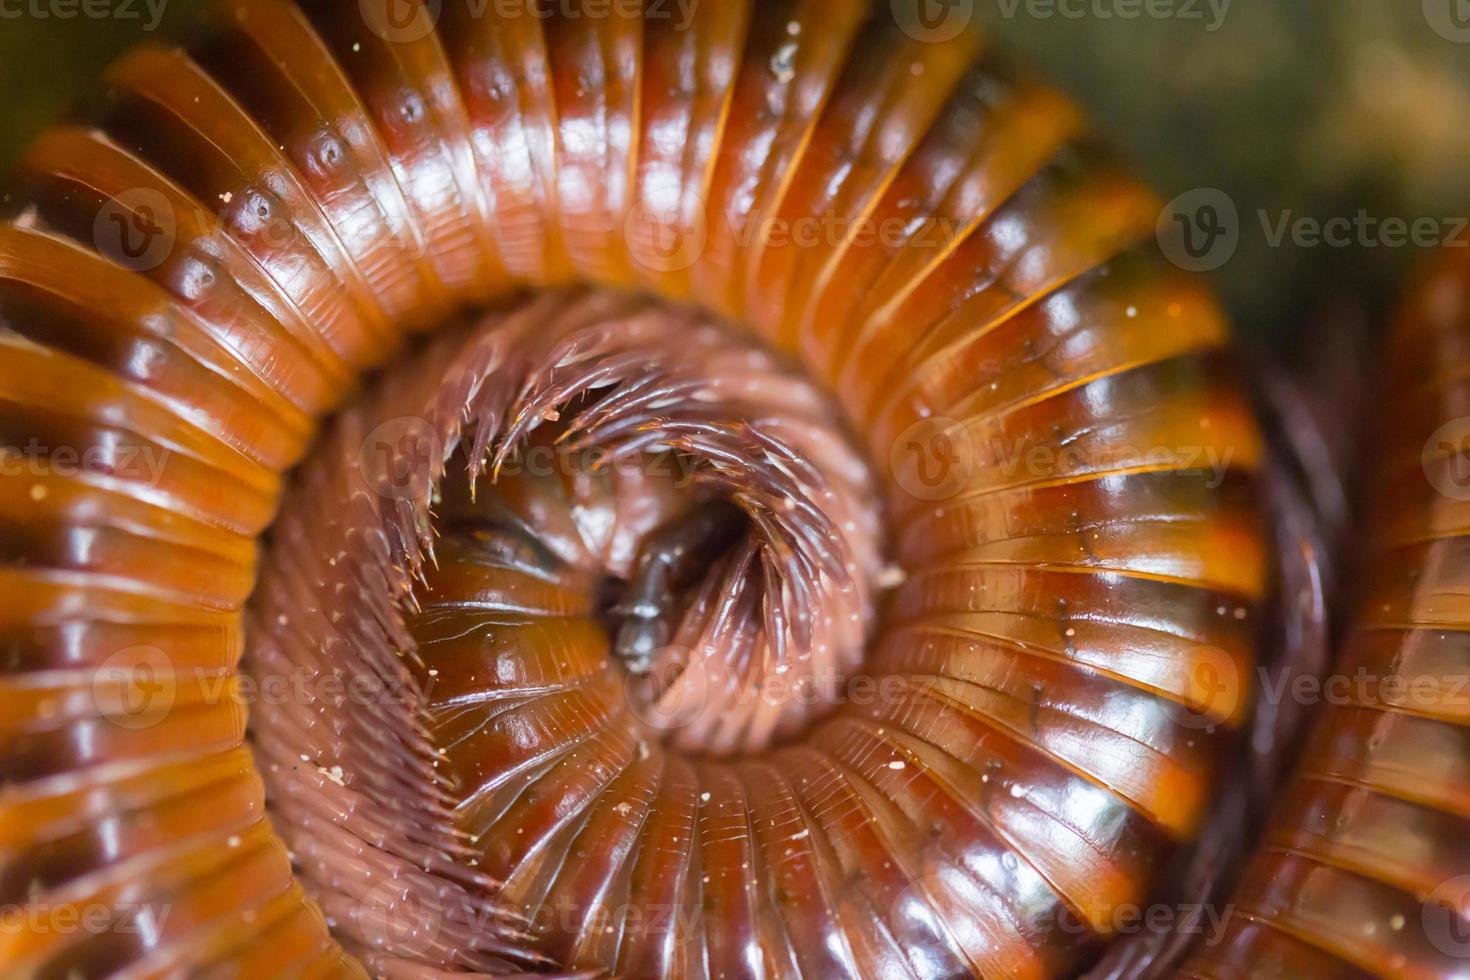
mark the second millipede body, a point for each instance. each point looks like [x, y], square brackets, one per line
[1364, 868]
[784, 516]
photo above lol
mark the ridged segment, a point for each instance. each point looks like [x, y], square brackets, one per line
[327, 189]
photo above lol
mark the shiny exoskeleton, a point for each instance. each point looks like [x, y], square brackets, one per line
[879, 292]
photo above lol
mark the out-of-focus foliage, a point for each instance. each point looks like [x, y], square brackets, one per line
[1319, 108]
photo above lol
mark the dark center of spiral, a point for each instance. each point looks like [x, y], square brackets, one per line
[640, 609]
[726, 526]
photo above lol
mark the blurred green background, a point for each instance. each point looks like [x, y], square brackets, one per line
[1316, 107]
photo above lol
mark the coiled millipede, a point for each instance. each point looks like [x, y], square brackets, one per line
[783, 517]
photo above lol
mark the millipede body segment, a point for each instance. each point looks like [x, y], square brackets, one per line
[1364, 869]
[780, 513]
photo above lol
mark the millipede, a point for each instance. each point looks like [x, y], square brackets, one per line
[706, 490]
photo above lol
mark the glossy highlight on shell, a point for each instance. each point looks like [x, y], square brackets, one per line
[609, 489]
